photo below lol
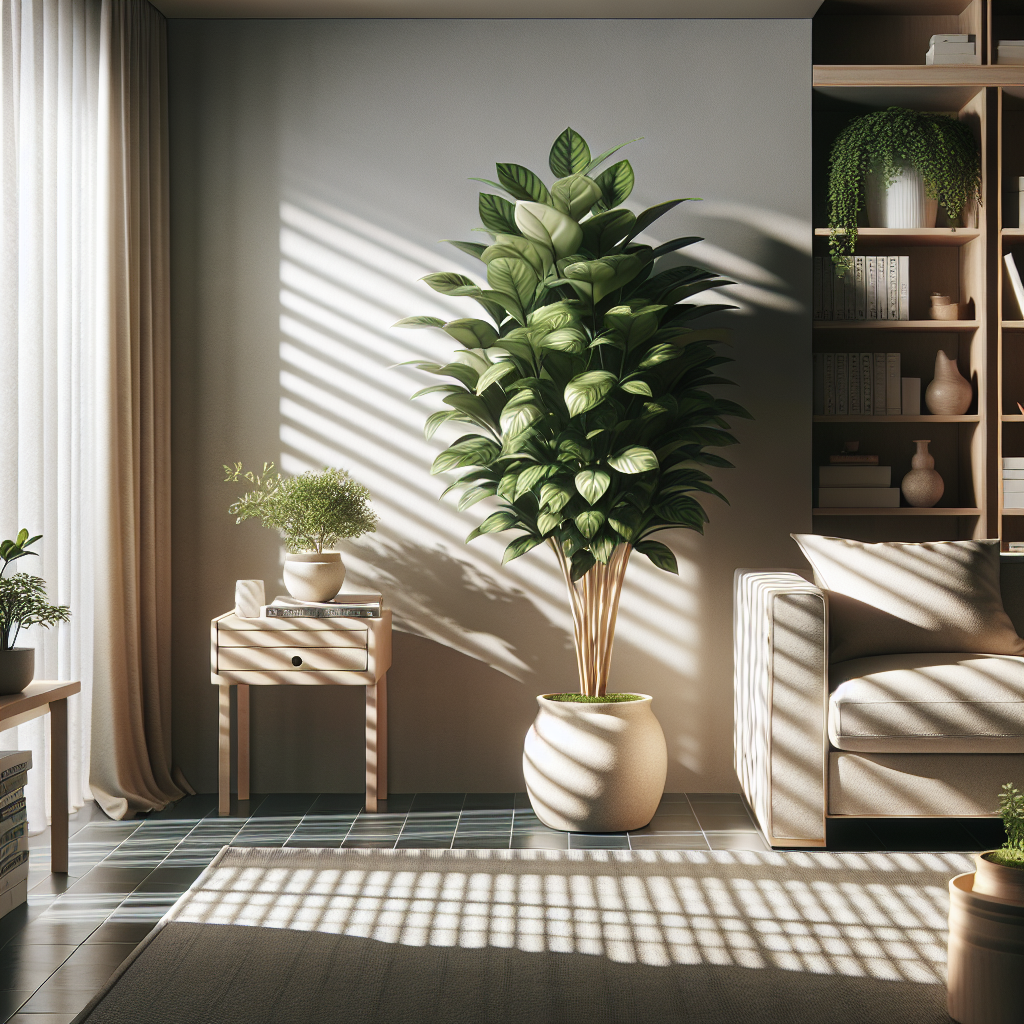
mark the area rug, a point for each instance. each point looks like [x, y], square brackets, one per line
[545, 937]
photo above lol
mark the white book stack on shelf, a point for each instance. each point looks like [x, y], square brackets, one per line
[952, 49]
[1010, 51]
[1013, 483]
[857, 487]
[14, 766]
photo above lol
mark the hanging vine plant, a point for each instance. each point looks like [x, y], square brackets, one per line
[941, 148]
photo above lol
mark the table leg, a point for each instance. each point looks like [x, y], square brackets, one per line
[59, 786]
[372, 781]
[382, 737]
[242, 738]
[224, 762]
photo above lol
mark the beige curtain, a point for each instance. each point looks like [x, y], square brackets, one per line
[84, 412]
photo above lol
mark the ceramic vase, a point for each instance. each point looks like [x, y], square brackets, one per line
[922, 486]
[17, 667]
[949, 394]
[903, 204]
[595, 767]
[942, 309]
[314, 577]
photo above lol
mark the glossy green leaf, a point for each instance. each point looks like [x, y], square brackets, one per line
[519, 247]
[531, 476]
[615, 184]
[651, 214]
[520, 412]
[682, 510]
[604, 156]
[638, 387]
[554, 497]
[634, 459]
[507, 485]
[498, 215]
[592, 483]
[419, 321]
[520, 546]
[658, 354]
[581, 563]
[602, 233]
[570, 154]
[494, 523]
[548, 521]
[435, 419]
[659, 554]
[448, 389]
[567, 339]
[589, 522]
[473, 406]
[587, 390]
[625, 521]
[471, 451]
[575, 195]
[471, 333]
[513, 277]
[493, 374]
[447, 283]
[475, 494]
[475, 249]
[522, 183]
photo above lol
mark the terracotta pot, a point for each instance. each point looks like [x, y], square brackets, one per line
[17, 667]
[314, 577]
[922, 486]
[595, 767]
[949, 394]
[985, 955]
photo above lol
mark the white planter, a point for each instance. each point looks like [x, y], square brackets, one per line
[903, 204]
[595, 767]
[314, 577]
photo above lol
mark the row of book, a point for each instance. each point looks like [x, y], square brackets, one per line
[14, 767]
[344, 606]
[864, 486]
[1013, 483]
[872, 288]
[863, 384]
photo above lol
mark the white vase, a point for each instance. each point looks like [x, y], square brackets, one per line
[314, 577]
[17, 667]
[922, 486]
[903, 204]
[595, 767]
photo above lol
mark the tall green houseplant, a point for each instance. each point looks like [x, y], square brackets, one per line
[587, 386]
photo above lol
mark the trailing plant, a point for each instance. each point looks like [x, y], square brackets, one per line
[942, 149]
[312, 511]
[586, 389]
[23, 600]
[1011, 810]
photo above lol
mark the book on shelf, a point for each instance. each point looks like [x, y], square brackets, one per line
[1013, 474]
[893, 386]
[1016, 547]
[1010, 51]
[858, 497]
[1013, 499]
[855, 476]
[842, 384]
[344, 606]
[1015, 282]
[853, 459]
[1013, 486]
[819, 384]
[952, 49]
[910, 396]
[872, 288]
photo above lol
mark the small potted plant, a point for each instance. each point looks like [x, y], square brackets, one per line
[313, 512]
[925, 156]
[23, 602]
[1001, 872]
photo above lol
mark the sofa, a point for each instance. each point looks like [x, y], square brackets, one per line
[903, 733]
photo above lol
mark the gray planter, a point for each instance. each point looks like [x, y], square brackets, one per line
[17, 666]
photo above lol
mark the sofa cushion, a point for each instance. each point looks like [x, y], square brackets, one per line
[897, 598]
[928, 703]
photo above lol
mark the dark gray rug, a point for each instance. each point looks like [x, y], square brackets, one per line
[545, 937]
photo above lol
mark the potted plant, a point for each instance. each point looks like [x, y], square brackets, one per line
[590, 423]
[313, 512]
[1001, 872]
[926, 156]
[23, 602]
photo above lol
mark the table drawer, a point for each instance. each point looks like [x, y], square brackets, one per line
[292, 638]
[291, 659]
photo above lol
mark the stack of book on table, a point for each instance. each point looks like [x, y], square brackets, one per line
[846, 483]
[14, 766]
[1013, 483]
[952, 49]
[857, 384]
[873, 288]
[346, 605]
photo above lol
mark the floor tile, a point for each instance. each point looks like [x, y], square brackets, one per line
[500, 841]
[121, 931]
[240, 810]
[667, 823]
[539, 841]
[314, 844]
[280, 804]
[489, 802]
[339, 803]
[190, 807]
[396, 803]
[369, 844]
[42, 1018]
[485, 819]
[50, 956]
[11, 1001]
[438, 802]
[726, 822]
[714, 798]
[421, 843]
[680, 841]
[54, 883]
[523, 802]
[581, 841]
[674, 798]
[18, 977]
[55, 999]
[735, 841]
[166, 876]
[109, 880]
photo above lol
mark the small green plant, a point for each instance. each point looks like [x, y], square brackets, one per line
[23, 600]
[313, 511]
[942, 149]
[1011, 810]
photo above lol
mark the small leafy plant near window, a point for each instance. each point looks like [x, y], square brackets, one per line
[23, 600]
[1011, 810]
[942, 149]
[312, 511]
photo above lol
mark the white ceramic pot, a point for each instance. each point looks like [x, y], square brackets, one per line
[993, 879]
[314, 577]
[595, 767]
[903, 204]
[17, 667]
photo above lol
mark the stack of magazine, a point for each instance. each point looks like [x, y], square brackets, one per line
[14, 766]
[366, 605]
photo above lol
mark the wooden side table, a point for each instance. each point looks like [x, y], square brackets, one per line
[300, 652]
[40, 698]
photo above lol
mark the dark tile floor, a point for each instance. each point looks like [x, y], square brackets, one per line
[59, 949]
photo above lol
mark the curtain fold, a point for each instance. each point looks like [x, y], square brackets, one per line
[84, 394]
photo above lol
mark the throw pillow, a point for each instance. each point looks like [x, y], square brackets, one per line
[898, 598]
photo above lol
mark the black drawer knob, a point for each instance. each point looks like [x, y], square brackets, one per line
[296, 661]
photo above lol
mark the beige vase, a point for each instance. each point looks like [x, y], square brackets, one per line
[922, 486]
[595, 767]
[314, 577]
[985, 954]
[949, 394]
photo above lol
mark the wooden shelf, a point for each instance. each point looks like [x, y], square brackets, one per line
[910, 236]
[889, 75]
[897, 511]
[972, 418]
[949, 326]
[1009, 232]
[1012, 325]
[1012, 512]
[1011, 417]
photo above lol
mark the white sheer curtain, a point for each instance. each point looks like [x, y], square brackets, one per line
[84, 336]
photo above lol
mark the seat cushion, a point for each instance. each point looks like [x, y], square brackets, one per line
[897, 598]
[928, 703]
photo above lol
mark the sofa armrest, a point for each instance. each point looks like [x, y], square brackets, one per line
[780, 644]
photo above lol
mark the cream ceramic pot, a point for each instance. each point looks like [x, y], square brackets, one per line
[595, 767]
[314, 577]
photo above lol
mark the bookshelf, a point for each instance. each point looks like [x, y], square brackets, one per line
[868, 55]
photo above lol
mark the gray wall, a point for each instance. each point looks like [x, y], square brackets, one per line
[314, 167]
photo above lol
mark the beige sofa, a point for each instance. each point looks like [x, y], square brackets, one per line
[907, 735]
